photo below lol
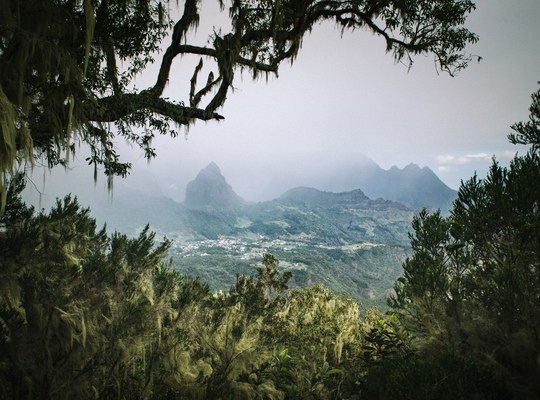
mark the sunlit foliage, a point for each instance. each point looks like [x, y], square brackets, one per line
[86, 315]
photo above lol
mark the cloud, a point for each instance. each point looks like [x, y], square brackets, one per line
[444, 168]
[444, 159]
[478, 157]
[464, 159]
[456, 167]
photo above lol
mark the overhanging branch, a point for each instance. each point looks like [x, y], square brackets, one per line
[116, 107]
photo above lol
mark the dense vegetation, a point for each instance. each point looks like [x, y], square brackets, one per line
[364, 272]
[472, 286]
[86, 315]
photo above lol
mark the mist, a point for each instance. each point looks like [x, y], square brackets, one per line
[342, 101]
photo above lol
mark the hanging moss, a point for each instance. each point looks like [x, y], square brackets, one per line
[61, 85]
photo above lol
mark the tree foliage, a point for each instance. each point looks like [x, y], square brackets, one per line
[528, 133]
[80, 312]
[84, 315]
[67, 68]
[472, 284]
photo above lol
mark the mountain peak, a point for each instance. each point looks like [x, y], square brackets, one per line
[412, 167]
[412, 185]
[210, 188]
[212, 168]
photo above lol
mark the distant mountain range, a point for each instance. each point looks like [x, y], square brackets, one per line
[212, 209]
[353, 241]
[210, 197]
[347, 241]
[412, 186]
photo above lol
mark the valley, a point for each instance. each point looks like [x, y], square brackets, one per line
[352, 242]
[365, 271]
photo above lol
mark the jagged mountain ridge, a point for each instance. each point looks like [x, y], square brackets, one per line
[323, 217]
[212, 209]
[412, 186]
[353, 199]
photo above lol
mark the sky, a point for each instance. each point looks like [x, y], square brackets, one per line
[345, 98]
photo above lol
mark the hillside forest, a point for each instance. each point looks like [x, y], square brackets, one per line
[88, 314]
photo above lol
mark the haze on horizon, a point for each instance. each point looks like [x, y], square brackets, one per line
[344, 99]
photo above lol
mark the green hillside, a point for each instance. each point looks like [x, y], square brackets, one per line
[347, 241]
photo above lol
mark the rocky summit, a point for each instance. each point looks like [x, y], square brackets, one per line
[210, 189]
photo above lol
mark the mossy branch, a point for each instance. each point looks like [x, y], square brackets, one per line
[113, 108]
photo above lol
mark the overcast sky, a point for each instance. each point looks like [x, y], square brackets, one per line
[345, 97]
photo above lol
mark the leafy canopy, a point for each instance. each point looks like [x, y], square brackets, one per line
[87, 315]
[67, 67]
[472, 283]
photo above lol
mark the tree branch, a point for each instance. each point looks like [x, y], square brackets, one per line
[116, 107]
[189, 18]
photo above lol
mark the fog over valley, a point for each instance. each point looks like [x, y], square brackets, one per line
[252, 179]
